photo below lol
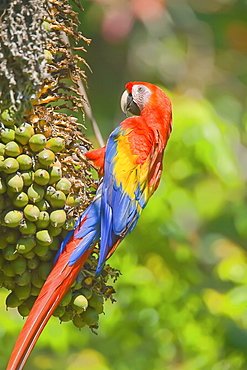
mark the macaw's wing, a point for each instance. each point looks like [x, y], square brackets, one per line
[86, 232]
[125, 188]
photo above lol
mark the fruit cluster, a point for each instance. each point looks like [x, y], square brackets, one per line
[40, 198]
[45, 181]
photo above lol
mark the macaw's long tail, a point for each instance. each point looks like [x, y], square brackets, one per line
[73, 253]
[56, 286]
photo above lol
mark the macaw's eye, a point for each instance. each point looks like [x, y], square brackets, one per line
[140, 89]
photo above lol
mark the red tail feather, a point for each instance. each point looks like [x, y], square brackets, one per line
[55, 287]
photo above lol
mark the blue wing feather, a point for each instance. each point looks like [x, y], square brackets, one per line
[89, 233]
[87, 229]
[119, 212]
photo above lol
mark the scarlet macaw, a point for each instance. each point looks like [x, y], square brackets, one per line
[131, 165]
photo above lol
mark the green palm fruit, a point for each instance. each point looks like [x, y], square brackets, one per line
[43, 205]
[65, 301]
[46, 157]
[2, 278]
[43, 220]
[35, 291]
[25, 162]
[69, 224]
[44, 269]
[19, 265]
[58, 199]
[7, 117]
[25, 245]
[58, 218]
[43, 237]
[23, 292]
[56, 144]
[54, 246]
[2, 149]
[27, 227]
[66, 317]
[11, 236]
[96, 302]
[41, 250]
[90, 316]
[3, 186]
[10, 252]
[23, 310]
[23, 279]
[23, 133]
[30, 301]
[89, 281]
[37, 142]
[13, 149]
[49, 191]
[28, 177]
[12, 301]
[10, 165]
[12, 219]
[29, 255]
[73, 200]
[74, 284]
[64, 185]
[36, 280]
[55, 174]
[79, 322]
[7, 269]
[41, 176]
[33, 263]
[8, 282]
[35, 193]
[3, 243]
[77, 285]
[54, 231]
[14, 183]
[31, 212]
[7, 134]
[86, 292]
[80, 303]
[1, 162]
[59, 311]
[20, 200]
[48, 256]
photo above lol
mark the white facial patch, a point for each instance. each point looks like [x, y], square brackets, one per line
[141, 95]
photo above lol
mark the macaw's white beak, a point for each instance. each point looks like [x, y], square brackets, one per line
[128, 104]
[123, 101]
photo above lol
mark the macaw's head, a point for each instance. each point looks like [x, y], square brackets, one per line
[139, 96]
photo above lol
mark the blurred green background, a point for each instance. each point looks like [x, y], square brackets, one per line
[182, 297]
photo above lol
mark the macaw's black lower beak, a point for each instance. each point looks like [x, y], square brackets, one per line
[128, 104]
